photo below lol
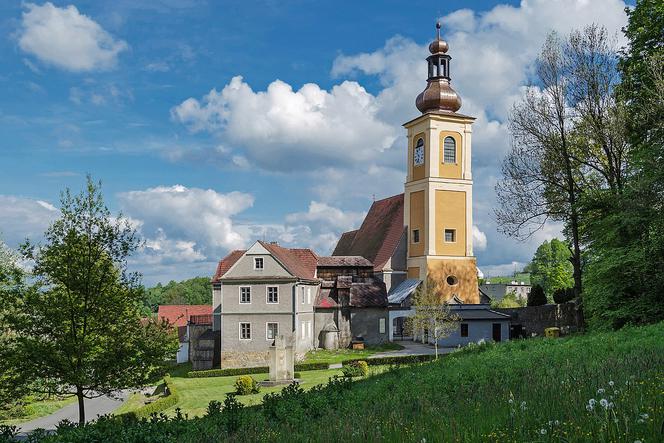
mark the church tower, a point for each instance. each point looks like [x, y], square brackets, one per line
[439, 187]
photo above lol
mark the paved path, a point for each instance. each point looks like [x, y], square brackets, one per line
[412, 348]
[94, 407]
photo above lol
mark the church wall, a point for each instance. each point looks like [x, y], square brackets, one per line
[450, 207]
[417, 211]
[463, 269]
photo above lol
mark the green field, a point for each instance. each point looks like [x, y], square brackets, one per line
[33, 409]
[196, 393]
[596, 387]
[519, 277]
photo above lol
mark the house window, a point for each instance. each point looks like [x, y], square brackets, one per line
[273, 294]
[308, 295]
[303, 329]
[381, 326]
[449, 150]
[304, 296]
[416, 235]
[245, 294]
[271, 331]
[245, 331]
[464, 329]
[450, 235]
[258, 263]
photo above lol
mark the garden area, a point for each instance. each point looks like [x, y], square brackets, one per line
[339, 355]
[604, 386]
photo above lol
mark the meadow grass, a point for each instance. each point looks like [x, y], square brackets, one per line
[606, 387]
[39, 408]
[339, 355]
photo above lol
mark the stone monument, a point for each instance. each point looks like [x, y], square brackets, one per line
[282, 362]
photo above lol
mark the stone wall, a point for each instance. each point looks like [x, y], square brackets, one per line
[534, 319]
[201, 346]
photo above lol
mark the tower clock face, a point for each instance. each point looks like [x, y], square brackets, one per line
[418, 156]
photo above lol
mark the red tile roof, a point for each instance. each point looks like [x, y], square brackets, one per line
[226, 263]
[300, 262]
[379, 235]
[178, 315]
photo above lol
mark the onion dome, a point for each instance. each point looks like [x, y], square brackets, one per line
[438, 95]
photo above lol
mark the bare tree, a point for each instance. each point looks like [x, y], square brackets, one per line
[432, 313]
[568, 139]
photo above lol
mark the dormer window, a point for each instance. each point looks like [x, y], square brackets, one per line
[258, 263]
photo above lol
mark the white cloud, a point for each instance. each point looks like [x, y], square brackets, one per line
[201, 216]
[67, 39]
[479, 239]
[290, 129]
[22, 218]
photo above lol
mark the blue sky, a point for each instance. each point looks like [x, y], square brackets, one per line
[213, 123]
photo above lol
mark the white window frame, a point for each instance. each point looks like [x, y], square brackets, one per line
[309, 331]
[454, 236]
[267, 329]
[240, 295]
[381, 325]
[267, 295]
[256, 268]
[240, 330]
[303, 329]
[308, 295]
[418, 236]
[303, 295]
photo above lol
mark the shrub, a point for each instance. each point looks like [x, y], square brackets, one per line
[297, 375]
[228, 372]
[393, 360]
[537, 296]
[246, 384]
[563, 295]
[358, 368]
[311, 366]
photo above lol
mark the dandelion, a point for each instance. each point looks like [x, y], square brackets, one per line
[611, 383]
[592, 402]
[556, 422]
[543, 431]
[510, 401]
[523, 405]
[600, 391]
[638, 441]
[604, 403]
[644, 416]
[589, 407]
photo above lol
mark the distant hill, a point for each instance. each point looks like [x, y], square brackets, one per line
[195, 291]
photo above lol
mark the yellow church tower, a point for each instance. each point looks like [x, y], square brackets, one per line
[439, 187]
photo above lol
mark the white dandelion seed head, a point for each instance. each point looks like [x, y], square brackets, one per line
[543, 431]
[592, 402]
[589, 407]
[604, 403]
[644, 416]
[611, 383]
[600, 391]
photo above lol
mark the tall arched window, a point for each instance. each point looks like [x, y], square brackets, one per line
[449, 150]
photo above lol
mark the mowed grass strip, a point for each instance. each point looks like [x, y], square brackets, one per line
[339, 355]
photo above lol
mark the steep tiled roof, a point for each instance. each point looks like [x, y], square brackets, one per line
[178, 315]
[226, 263]
[344, 261]
[299, 262]
[368, 294]
[379, 235]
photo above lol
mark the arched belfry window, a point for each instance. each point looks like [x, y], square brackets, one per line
[449, 150]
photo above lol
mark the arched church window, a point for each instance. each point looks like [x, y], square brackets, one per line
[449, 150]
[418, 153]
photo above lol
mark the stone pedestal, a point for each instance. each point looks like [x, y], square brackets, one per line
[281, 362]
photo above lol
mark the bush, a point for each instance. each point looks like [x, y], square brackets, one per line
[161, 404]
[394, 360]
[311, 366]
[246, 384]
[563, 295]
[358, 368]
[537, 296]
[228, 372]
[297, 375]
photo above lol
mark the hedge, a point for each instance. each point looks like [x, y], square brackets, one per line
[256, 370]
[161, 404]
[393, 360]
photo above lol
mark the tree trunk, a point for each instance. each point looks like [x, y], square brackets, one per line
[81, 405]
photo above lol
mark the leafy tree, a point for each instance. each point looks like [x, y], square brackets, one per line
[551, 266]
[194, 291]
[565, 295]
[510, 300]
[79, 326]
[432, 313]
[568, 140]
[536, 296]
[625, 235]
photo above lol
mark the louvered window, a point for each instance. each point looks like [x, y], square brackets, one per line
[449, 150]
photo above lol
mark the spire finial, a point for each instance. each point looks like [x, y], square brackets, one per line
[438, 30]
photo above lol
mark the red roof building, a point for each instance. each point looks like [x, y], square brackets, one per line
[179, 315]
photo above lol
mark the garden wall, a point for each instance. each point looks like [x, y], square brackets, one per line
[534, 319]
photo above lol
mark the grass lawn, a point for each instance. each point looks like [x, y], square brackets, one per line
[196, 393]
[339, 355]
[39, 408]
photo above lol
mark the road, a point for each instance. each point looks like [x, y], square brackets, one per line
[94, 407]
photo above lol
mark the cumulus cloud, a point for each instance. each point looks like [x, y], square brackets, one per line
[281, 127]
[203, 216]
[67, 39]
[479, 239]
[22, 218]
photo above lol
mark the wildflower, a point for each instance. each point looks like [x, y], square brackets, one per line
[424, 440]
[592, 402]
[640, 420]
[589, 407]
[638, 441]
[611, 383]
[543, 431]
[523, 405]
[600, 391]
[644, 416]
[556, 422]
[510, 401]
[604, 403]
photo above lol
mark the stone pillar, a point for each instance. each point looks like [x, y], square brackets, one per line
[282, 360]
